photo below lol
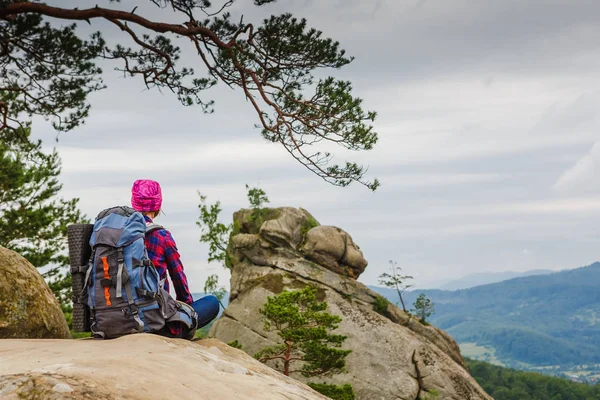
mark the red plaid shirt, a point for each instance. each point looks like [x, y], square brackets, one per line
[163, 253]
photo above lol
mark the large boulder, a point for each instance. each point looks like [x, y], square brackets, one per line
[394, 356]
[28, 309]
[139, 367]
[334, 249]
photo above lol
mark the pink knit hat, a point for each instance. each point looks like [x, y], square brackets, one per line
[146, 195]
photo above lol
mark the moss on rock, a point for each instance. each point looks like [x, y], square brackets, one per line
[250, 221]
[28, 309]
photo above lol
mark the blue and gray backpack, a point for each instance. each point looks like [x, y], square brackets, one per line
[124, 292]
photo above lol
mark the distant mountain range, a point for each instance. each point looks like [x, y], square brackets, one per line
[540, 320]
[486, 278]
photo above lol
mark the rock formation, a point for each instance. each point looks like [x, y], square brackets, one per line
[139, 367]
[394, 356]
[28, 309]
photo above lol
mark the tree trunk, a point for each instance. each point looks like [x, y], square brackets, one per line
[402, 301]
[286, 358]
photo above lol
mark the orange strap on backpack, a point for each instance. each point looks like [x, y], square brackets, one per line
[106, 276]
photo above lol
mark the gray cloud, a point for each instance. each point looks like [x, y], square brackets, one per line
[487, 121]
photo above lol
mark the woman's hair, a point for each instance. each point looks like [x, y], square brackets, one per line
[151, 214]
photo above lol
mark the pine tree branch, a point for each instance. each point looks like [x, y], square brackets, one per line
[4, 115]
[109, 14]
[272, 75]
[264, 359]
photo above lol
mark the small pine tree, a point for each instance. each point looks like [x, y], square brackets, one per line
[424, 307]
[303, 324]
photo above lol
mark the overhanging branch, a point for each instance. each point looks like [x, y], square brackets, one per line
[272, 65]
[108, 14]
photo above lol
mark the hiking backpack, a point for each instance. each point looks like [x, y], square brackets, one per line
[123, 289]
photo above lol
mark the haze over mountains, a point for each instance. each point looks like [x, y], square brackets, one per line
[485, 278]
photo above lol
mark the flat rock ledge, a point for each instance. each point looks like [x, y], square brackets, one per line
[141, 366]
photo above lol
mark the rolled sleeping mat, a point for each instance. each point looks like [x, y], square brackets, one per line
[79, 255]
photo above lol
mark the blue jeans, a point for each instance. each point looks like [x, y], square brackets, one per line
[207, 309]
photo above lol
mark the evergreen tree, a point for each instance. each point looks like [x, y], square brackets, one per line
[308, 347]
[424, 307]
[49, 70]
[33, 216]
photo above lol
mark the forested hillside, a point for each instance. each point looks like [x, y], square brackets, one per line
[534, 321]
[508, 384]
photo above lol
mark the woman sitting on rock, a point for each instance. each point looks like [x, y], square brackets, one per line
[146, 197]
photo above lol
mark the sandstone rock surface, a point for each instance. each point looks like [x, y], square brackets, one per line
[28, 309]
[334, 249]
[141, 366]
[394, 356]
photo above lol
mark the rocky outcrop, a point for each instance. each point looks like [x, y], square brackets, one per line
[295, 229]
[334, 249]
[139, 367]
[28, 309]
[393, 355]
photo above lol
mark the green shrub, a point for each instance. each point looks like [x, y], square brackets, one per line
[308, 225]
[235, 344]
[431, 394]
[334, 392]
[381, 306]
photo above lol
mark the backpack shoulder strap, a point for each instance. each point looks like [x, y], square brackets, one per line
[151, 227]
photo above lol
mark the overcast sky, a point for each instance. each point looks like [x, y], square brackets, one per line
[488, 154]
